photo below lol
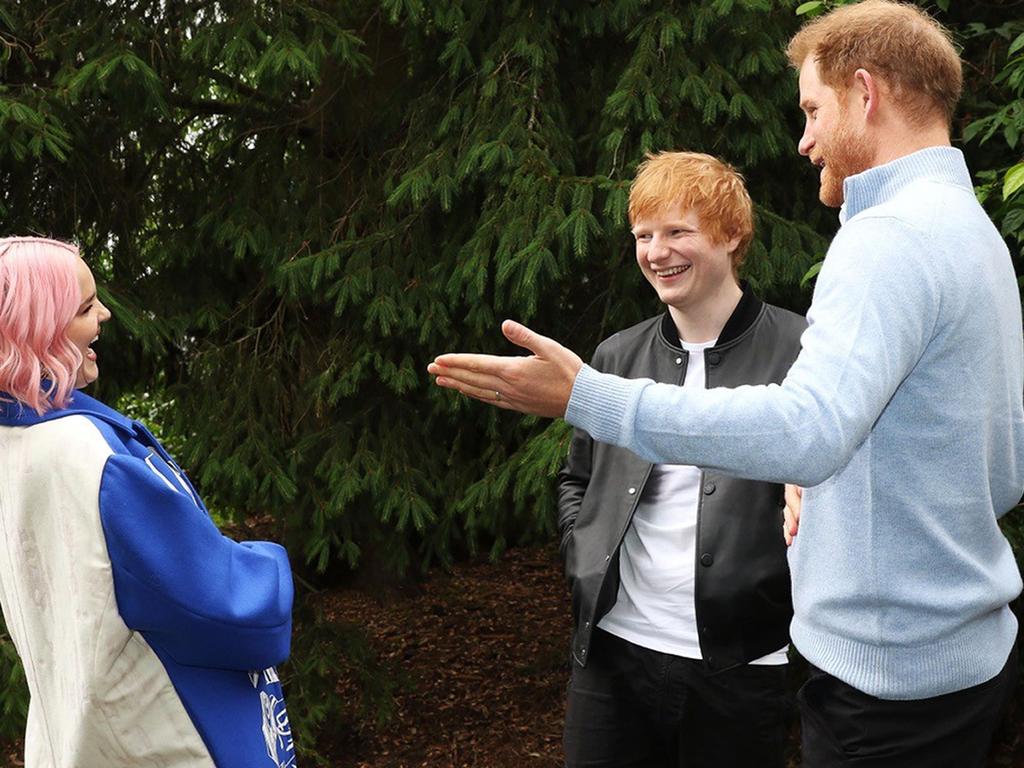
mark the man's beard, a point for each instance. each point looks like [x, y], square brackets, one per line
[847, 153]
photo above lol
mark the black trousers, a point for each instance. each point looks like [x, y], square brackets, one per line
[632, 707]
[842, 726]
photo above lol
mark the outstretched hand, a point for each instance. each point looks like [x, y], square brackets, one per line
[539, 384]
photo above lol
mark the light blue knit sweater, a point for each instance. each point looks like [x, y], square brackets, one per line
[904, 411]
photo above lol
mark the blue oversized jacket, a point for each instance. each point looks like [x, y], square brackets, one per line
[148, 638]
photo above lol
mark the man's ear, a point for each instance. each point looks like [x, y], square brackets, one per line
[865, 93]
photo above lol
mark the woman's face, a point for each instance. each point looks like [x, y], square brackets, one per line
[85, 327]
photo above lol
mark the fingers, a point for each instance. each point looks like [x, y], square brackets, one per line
[791, 514]
[789, 526]
[794, 499]
[492, 365]
[522, 336]
[468, 374]
[478, 376]
[544, 348]
[489, 396]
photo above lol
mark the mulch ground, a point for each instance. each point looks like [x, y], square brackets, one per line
[485, 652]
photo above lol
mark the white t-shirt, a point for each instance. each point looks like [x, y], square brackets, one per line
[655, 605]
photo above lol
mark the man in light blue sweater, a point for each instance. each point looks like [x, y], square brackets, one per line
[903, 413]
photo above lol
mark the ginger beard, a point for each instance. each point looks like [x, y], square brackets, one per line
[846, 152]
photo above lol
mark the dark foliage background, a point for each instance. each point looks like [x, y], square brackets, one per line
[293, 206]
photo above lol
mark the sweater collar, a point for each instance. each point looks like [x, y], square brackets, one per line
[746, 312]
[16, 414]
[883, 182]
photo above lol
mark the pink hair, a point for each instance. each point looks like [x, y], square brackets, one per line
[39, 296]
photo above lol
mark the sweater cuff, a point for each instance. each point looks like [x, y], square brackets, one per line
[603, 405]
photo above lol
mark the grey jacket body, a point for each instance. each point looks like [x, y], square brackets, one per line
[743, 602]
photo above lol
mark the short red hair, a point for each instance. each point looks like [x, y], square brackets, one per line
[696, 182]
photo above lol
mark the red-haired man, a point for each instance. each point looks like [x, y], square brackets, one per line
[680, 587]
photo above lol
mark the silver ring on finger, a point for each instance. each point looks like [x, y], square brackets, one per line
[497, 395]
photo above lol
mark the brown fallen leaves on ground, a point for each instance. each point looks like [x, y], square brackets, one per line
[485, 650]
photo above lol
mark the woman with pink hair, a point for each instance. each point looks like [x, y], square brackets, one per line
[147, 637]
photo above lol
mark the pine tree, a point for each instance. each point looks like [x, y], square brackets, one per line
[295, 206]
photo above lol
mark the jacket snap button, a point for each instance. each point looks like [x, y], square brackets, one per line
[709, 488]
[714, 358]
[586, 625]
[707, 559]
[679, 361]
[631, 491]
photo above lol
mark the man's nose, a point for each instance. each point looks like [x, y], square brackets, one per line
[658, 248]
[805, 143]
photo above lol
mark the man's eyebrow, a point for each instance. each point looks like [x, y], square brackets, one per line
[665, 225]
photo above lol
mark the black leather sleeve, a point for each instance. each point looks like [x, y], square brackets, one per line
[574, 478]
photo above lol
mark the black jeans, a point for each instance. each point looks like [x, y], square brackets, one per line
[844, 727]
[632, 707]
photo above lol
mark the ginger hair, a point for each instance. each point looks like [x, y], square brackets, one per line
[899, 43]
[697, 182]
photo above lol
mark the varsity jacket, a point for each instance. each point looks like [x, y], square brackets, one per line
[742, 590]
[147, 637]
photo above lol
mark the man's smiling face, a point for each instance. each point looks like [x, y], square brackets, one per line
[684, 264]
[830, 139]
